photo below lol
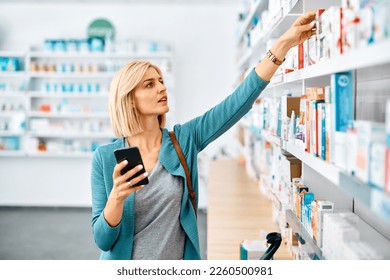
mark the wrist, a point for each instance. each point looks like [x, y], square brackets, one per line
[280, 49]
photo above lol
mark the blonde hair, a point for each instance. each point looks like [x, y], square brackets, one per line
[123, 115]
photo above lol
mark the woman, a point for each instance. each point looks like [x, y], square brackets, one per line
[158, 221]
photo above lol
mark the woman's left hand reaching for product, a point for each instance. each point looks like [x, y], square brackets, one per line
[302, 29]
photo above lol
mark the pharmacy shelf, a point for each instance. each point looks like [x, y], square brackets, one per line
[354, 59]
[11, 134]
[13, 53]
[279, 24]
[367, 234]
[10, 114]
[332, 172]
[37, 94]
[374, 198]
[100, 55]
[70, 115]
[297, 227]
[271, 137]
[59, 154]
[12, 94]
[4, 153]
[67, 135]
[282, 21]
[73, 75]
[12, 74]
[260, 5]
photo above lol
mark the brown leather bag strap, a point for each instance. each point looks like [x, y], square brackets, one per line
[186, 171]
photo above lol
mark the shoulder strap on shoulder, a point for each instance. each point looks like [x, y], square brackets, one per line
[186, 170]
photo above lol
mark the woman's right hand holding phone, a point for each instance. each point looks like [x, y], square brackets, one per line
[120, 191]
[122, 187]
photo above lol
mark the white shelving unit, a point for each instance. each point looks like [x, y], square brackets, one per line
[375, 221]
[64, 118]
[13, 102]
[74, 88]
[70, 115]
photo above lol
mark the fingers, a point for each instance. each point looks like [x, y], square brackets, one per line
[306, 18]
[131, 172]
[128, 186]
[120, 181]
[306, 27]
[136, 180]
[118, 167]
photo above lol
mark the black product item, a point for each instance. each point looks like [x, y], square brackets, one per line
[273, 238]
[133, 157]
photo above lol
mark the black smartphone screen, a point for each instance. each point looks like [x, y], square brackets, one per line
[133, 157]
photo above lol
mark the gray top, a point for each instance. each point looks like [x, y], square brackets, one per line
[158, 234]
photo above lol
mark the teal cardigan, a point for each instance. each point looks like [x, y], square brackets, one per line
[116, 242]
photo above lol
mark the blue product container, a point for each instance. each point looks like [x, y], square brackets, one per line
[97, 88]
[48, 45]
[3, 63]
[96, 44]
[60, 45]
[84, 45]
[12, 143]
[72, 45]
[13, 64]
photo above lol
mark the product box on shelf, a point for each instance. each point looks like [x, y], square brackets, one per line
[321, 131]
[367, 134]
[315, 93]
[312, 50]
[306, 200]
[297, 187]
[319, 207]
[314, 126]
[328, 123]
[299, 191]
[366, 29]
[351, 149]
[328, 132]
[342, 97]
[381, 17]
[9, 64]
[351, 4]
[337, 230]
[307, 125]
[349, 30]
[377, 165]
[301, 122]
[289, 104]
[291, 167]
[291, 62]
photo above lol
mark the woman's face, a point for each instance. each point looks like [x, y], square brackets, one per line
[150, 96]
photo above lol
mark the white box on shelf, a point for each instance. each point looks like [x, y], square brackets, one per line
[377, 165]
[319, 207]
[367, 134]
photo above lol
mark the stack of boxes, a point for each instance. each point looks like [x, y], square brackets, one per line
[341, 238]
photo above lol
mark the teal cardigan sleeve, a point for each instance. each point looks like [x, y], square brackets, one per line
[105, 236]
[223, 116]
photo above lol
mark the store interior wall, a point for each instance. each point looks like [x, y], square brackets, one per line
[202, 37]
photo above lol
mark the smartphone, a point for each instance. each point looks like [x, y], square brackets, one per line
[133, 157]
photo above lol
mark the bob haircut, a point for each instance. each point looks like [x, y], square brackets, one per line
[123, 116]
